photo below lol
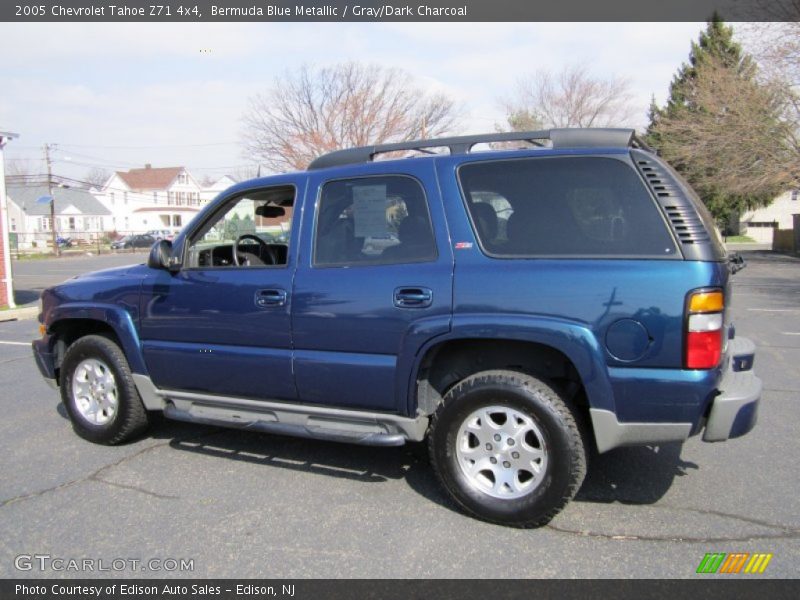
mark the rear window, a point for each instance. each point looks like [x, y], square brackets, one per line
[563, 206]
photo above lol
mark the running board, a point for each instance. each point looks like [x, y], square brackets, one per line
[285, 418]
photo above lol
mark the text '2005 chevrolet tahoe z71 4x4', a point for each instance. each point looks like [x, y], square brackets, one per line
[512, 307]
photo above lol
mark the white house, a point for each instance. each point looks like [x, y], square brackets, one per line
[79, 215]
[759, 223]
[210, 192]
[151, 198]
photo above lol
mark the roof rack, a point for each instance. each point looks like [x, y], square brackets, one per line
[560, 138]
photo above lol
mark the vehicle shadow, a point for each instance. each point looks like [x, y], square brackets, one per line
[630, 475]
[633, 475]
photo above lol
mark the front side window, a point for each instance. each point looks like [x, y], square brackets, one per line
[563, 206]
[373, 220]
[250, 230]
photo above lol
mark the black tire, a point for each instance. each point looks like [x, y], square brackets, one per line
[129, 419]
[563, 465]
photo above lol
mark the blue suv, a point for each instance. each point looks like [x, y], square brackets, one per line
[514, 307]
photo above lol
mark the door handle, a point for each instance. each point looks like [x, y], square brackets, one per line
[411, 297]
[269, 298]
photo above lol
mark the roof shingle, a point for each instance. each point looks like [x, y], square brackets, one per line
[149, 178]
[26, 196]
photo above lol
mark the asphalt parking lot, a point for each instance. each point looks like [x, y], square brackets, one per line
[242, 504]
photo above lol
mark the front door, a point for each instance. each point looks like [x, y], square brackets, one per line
[221, 325]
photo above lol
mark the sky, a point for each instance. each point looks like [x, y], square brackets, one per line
[119, 95]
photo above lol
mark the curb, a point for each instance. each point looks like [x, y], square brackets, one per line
[17, 314]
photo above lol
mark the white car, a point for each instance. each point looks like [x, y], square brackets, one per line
[161, 234]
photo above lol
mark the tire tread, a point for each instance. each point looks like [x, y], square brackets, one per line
[134, 416]
[557, 404]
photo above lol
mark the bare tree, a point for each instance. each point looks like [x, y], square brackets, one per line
[20, 168]
[245, 172]
[776, 48]
[97, 177]
[571, 97]
[314, 111]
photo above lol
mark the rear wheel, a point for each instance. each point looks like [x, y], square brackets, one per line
[507, 448]
[98, 392]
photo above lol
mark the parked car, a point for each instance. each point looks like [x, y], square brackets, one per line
[133, 241]
[161, 234]
[523, 306]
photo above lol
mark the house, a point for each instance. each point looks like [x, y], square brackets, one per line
[151, 198]
[79, 215]
[210, 192]
[759, 223]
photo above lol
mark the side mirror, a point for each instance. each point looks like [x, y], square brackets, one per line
[160, 255]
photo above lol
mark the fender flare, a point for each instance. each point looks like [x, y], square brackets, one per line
[574, 340]
[116, 317]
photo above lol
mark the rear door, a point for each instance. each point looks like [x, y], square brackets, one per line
[373, 284]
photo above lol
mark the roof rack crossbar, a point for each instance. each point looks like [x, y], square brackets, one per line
[560, 138]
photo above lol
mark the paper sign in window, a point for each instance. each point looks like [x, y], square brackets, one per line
[369, 211]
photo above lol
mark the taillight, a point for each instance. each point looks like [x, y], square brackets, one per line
[704, 322]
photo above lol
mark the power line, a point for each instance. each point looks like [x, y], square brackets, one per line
[234, 143]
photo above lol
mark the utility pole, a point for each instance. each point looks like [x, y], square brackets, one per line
[52, 200]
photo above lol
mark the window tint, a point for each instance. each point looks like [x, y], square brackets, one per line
[583, 206]
[373, 220]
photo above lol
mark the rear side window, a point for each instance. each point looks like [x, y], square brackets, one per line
[563, 206]
[373, 220]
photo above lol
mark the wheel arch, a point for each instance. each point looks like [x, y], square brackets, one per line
[71, 322]
[552, 349]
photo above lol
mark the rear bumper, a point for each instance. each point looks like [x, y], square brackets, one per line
[734, 411]
[731, 412]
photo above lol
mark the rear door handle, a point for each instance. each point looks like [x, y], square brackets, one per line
[270, 298]
[413, 297]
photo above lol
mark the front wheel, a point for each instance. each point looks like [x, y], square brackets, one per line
[507, 448]
[98, 392]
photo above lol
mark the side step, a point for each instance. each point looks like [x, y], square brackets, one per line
[242, 420]
[317, 422]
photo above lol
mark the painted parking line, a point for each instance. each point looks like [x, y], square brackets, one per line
[774, 309]
[15, 343]
[790, 332]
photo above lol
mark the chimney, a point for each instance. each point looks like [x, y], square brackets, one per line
[147, 166]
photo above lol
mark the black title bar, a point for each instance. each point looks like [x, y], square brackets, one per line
[399, 10]
[708, 588]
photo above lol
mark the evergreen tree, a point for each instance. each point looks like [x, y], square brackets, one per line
[721, 129]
